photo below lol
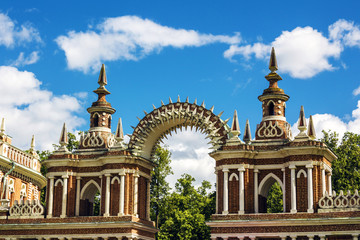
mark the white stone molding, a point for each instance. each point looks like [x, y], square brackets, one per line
[217, 192]
[310, 189]
[329, 182]
[59, 181]
[64, 197]
[355, 236]
[86, 186]
[256, 190]
[269, 129]
[107, 196]
[293, 189]
[241, 191]
[302, 171]
[262, 189]
[26, 209]
[226, 192]
[232, 176]
[284, 189]
[326, 201]
[51, 197]
[323, 182]
[122, 193]
[93, 140]
[114, 179]
[77, 203]
[136, 192]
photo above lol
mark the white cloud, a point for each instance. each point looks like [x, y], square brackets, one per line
[128, 38]
[331, 122]
[345, 32]
[29, 110]
[22, 60]
[302, 52]
[11, 34]
[356, 91]
[190, 154]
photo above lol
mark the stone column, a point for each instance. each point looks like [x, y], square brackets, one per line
[241, 191]
[310, 237]
[77, 204]
[148, 200]
[64, 196]
[322, 237]
[329, 183]
[136, 192]
[323, 182]
[217, 192]
[310, 188]
[122, 193]
[355, 237]
[283, 237]
[107, 195]
[284, 189]
[51, 197]
[256, 190]
[293, 189]
[293, 237]
[226, 191]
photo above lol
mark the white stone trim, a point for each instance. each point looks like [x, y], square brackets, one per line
[59, 181]
[226, 192]
[86, 185]
[266, 178]
[233, 175]
[302, 171]
[115, 179]
[256, 190]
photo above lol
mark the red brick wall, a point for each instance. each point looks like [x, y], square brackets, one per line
[301, 193]
[57, 200]
[114, 198]
[233, 193]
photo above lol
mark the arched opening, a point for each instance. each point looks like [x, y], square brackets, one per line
[90, 199]
[114, 196]
[271, 108]
[109, 121]
[96, 120]
[233, 193]
[271, 194]
[58, 191]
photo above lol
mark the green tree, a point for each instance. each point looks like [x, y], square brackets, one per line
[345, 174]
[184, 212]
[274, 201]
[159, 188]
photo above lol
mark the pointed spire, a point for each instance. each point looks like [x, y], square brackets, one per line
[2, 128]
[273, 62]
[63, 140]
[102, 77]
[247, 133]
[235, 123]
[187, 100]
[119, 135]
[311, 130]
[203, 104]
[162, 103]
[195, 101]
[154, 107]
[178, 99]
[170, 101]
[32, 145]
[302, 120]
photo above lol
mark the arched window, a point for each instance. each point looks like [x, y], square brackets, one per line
[90, 199]
[271, 108]
[96, 120]
[270, 194]
[109, 121]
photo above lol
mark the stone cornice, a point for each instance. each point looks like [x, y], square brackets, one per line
[275, 153]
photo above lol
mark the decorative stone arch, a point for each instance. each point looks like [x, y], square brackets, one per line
[91, 191]
[115, 179]
[167, 118]
[264, 188]
[267, 182]
[59, 181]
[233, 175]
[302, 171]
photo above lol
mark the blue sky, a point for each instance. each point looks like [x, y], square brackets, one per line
[217, 51]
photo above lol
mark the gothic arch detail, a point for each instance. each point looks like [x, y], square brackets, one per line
[267, 182]
[301, 172]
[167, 118]
[232, 176]
[59, 181]
[87, 185]
[115, 179]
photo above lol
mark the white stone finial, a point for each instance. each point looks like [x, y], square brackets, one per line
[311, 130]
[119, 135]
[247, 133]
[2, 128]
[32, 145]
[302, 125]
[234, 131]
[63, 140]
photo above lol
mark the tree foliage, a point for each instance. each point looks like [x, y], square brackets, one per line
[274, 201]
[345, 173]
[184, 212]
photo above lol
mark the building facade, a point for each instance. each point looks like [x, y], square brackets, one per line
[101, 190]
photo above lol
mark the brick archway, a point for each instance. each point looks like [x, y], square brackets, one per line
[161, 121]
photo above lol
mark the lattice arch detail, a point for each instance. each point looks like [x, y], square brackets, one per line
[167, 118]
